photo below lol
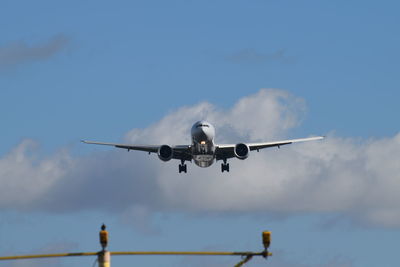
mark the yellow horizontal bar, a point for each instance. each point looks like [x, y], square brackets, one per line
[49, 255]
[193, 253]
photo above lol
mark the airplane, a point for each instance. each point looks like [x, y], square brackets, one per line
[203, 151]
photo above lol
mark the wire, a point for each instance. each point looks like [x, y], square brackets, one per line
[95, 261]
[248, 258]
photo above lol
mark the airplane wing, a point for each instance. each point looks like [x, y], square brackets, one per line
[227, 151]
[181, 152]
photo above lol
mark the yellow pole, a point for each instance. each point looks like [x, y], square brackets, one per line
[104, 258]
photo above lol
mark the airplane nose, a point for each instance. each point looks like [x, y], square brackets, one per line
[202, 131]
[201, 134]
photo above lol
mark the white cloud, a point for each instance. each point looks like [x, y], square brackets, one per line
[358, 179]
[25, 178]
[268, 114]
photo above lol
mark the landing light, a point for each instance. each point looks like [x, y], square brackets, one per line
[266, 238]
[103, 237]
[202, 142]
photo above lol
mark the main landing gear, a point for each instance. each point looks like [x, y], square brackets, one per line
[224, 166]
[182, 167]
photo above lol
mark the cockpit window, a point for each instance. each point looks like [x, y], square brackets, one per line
[202, 125]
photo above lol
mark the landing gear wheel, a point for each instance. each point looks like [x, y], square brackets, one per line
[224, 167]
[182, 168]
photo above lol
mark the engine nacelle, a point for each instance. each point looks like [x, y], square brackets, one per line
[242, 151]
[165, 153]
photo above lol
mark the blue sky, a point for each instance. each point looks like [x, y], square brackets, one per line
[144, 71]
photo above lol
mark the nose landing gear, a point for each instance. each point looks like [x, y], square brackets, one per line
[224, 166]
[182, 167]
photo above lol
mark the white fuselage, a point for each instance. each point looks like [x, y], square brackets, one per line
[203, 148]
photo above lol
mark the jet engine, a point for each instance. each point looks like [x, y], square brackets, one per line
[165, 153]
[242, 151]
